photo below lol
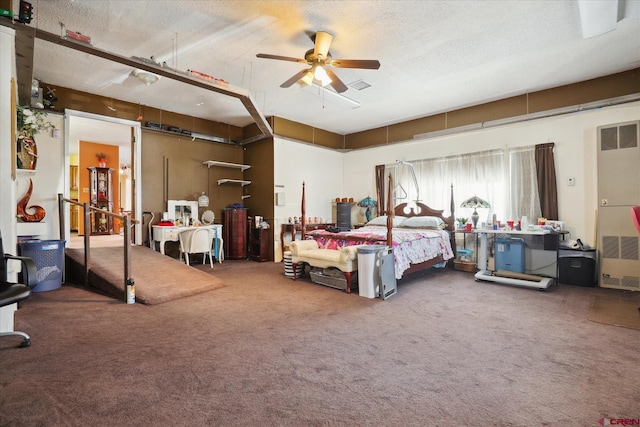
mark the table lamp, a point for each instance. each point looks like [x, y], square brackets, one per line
[368, 203]
[474, 203]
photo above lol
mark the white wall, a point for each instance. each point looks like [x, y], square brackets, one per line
[48, 180]
[7, 187]
[322, 171]
[575, 141]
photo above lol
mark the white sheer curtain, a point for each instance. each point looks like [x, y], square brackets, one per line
[524, 198]
[482, 174]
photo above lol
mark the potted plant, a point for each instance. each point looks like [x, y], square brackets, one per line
[102, 159]
[461, 222]
[29, 123]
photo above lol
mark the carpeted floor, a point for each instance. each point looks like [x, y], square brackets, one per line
[268, 351]
[158, 278]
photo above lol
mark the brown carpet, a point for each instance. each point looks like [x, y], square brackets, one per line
[615, 311]
[268, 351]
[158, 278]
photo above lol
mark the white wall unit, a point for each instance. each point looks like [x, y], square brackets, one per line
[618, 191]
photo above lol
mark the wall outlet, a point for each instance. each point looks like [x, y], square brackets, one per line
[571, 181]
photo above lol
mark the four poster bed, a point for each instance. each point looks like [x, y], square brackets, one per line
[419, 235]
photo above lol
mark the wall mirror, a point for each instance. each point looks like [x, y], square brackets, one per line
[184, 210]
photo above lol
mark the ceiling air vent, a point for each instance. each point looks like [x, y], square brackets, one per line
[359, 84]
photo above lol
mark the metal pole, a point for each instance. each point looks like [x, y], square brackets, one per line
[87, 242]
[62, 235]
[61, 215]
[129, 294]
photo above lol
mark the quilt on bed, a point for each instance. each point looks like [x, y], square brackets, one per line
[410, 245]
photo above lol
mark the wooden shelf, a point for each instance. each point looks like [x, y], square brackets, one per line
[27, 172]
[242, 182]
[233, 181]
[210, 163]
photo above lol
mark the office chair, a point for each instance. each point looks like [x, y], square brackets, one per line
[11, 293]
[195, 241]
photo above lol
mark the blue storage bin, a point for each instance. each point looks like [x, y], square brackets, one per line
[48, 255]
[509, 254]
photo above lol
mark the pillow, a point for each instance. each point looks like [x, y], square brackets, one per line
[431, 222]
[382, 221]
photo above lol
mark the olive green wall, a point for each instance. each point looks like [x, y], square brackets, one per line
[261, 174]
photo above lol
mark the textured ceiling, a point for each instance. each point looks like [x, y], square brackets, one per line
[435, 55]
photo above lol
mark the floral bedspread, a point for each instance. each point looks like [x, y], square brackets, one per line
[410, 245]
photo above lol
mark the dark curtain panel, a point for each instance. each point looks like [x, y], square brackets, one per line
[546, 171]
[380, 189]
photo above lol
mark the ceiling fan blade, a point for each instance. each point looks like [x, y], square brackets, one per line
[336, 83]
[281, 58]
[295, 78]
[323, 41]
[369, 64]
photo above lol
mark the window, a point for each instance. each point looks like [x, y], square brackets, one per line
[504, 178]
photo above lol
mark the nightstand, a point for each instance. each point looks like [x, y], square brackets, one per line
[466, 250]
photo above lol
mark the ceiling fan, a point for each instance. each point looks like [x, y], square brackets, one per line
[319, 58]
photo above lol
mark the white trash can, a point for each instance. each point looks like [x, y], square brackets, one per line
[369, 270]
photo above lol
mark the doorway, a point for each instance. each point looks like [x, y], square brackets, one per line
[117, 135]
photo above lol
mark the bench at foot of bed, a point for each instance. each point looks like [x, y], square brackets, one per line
[344, 259]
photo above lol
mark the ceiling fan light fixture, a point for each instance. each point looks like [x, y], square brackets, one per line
[146, 77]
[321, 75]
[307, 79]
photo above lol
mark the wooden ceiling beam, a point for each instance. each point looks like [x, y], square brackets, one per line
[25, 32]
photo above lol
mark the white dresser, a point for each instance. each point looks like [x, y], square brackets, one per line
[162, 234]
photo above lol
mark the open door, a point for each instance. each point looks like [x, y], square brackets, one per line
[120, 137]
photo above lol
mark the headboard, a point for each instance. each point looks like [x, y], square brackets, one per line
[420, 209]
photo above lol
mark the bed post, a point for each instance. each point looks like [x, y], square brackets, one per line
[389, 215]
[303, 220]
[453, 210]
